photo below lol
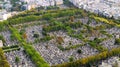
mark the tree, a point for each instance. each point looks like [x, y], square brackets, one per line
[60, 40]
[2, 38]
[97, 40]
[47, 17]
[24, 35]
[72, 18]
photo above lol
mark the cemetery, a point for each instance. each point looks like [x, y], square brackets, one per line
[57, 38]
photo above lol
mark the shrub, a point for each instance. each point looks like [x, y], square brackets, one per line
[36, 35]
[46, 38]
[17, 59]
[117, 41]
[22, 31]
[79, 51]
[71, 59]
[95, 44]
[61, 47]
[97, 40]
[44, 33]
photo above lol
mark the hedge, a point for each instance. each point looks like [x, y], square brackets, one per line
[35, 56]
[3, 61]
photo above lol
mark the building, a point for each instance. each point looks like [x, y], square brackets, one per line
[58, 2]
[37, 3]
[26, 1]
[7, 6]
[31, 6]
[108, 8]
[1, 4]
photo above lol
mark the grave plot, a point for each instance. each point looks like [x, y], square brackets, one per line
[18, 58]
[33, 32]
[112, 61]
[57, 52]
[8, 39]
